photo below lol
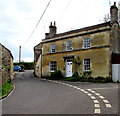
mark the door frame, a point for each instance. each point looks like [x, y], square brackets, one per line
[69, 60]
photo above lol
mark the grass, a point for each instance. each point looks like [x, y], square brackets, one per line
[5, 89]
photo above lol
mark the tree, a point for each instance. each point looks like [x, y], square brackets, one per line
[106, 18]
[77, 63]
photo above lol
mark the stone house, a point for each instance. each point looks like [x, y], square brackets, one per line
[94, 46]
[6, 64]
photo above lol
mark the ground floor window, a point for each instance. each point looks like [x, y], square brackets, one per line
[86, 64]
[53, 66]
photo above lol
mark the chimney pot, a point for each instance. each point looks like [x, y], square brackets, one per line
[51, 24]
[54, 23]
[52, 30]
[114, 3]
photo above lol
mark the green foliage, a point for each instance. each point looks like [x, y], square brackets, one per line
[6, 67]
[5, 89]
[25, 65]
[77, 60]
[9, 80]
[73, 79]
[75, 74]
[101, 79]
[22, 66]
[87, 74]
[45, 77]
[56, 75]
[77, 63]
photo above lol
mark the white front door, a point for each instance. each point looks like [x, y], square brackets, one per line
[68, 68]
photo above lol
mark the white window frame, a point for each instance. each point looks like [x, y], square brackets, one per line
[86, 42]
[52, 66]
[86, 63]
[53, 48]
[68, 45]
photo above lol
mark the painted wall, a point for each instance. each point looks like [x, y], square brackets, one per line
[116, 72]
[37, 67]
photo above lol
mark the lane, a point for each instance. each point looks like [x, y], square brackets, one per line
[34, 96]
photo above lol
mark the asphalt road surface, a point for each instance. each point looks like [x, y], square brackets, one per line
[39, 96]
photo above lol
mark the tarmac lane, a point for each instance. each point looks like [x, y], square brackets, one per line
[40, 96]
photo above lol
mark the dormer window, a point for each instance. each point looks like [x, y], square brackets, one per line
[86, 42]
[69, 45]
[53, 48]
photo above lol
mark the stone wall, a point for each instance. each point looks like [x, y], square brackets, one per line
[99, 52]
[5, 75]
[6, 64]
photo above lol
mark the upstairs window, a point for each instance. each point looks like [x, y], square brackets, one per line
[53, 66]
[53, 48]
[69, 45]
[86, 42]
[87, 64]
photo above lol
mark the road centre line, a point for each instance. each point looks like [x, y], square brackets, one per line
[105, 101]
[97, 105]
[92, 97]
[97, 111]
[95, 101]
[107, 104]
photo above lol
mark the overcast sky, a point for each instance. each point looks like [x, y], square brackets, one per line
[19, 17]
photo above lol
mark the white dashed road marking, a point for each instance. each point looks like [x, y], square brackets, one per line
[92, 97]
[101, 97]
[89, 94]
[96, 102]
[97, 105]
[108, 105]
[97, 111]
[105, 101]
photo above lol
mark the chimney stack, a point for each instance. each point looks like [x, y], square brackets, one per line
[114, 13]
[52, 29]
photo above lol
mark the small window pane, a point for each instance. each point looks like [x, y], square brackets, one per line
[87, 64]
[69, 45]
[53, 47]
[86, 42]
[53, 66]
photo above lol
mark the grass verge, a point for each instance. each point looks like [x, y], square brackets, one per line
[5, 89]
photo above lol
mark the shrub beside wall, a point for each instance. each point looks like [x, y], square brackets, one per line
[25, 65]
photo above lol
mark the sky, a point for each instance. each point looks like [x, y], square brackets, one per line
[18, 18]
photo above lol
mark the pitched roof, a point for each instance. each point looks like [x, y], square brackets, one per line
[7, 50]
[80, 30]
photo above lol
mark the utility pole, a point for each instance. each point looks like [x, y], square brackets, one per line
[109, 3]
[19, 54]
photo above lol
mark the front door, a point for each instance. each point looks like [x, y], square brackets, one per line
[68, 68]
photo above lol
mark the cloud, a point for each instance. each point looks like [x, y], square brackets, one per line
[19, 17]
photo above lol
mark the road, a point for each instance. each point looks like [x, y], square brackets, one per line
[39, 96]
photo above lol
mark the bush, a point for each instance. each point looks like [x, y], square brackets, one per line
[75, 74]
[87, 74]
[45, 77]
[9, 80]
[73, 79]
[100, 79]
[25, 65]
[56, 75]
